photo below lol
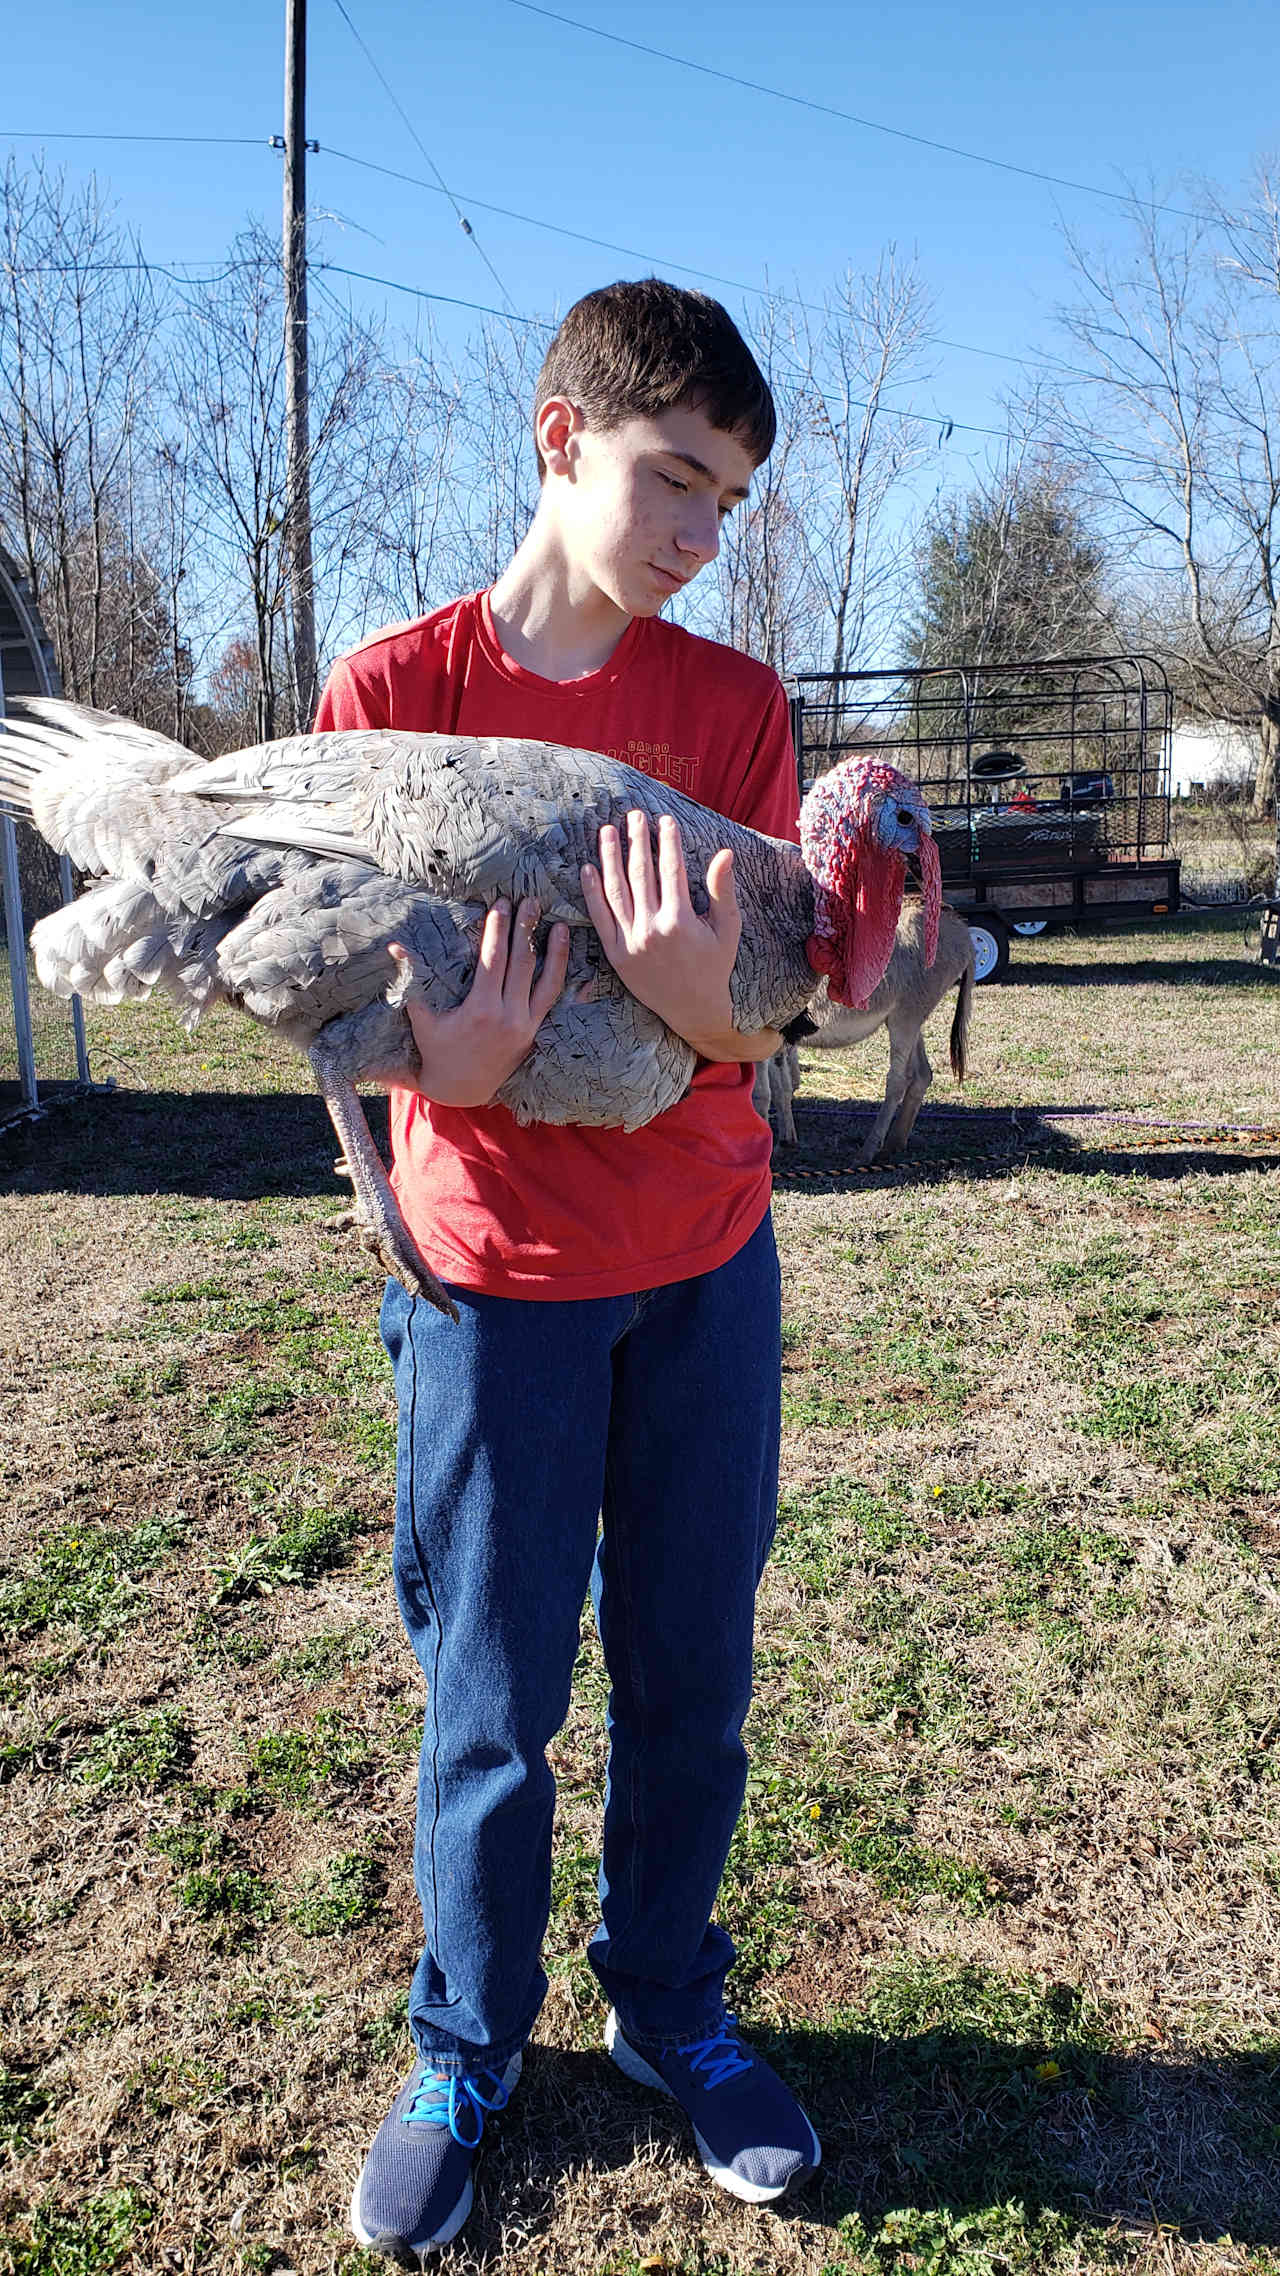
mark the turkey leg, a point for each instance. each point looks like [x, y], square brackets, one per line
[379, 1225]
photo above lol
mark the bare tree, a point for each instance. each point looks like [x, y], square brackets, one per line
[812, 570]
[496, 462]
[762, 599]
[411, 511]
[227, 434]
[873, 337]
[1176, 414]
[79, 312]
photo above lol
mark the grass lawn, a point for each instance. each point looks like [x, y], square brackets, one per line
[1006, 1889]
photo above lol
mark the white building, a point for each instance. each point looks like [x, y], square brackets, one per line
[1208, 753]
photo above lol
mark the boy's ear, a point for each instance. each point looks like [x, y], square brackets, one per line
[556, 429]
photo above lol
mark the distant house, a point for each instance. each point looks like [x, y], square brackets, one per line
[1208, 754]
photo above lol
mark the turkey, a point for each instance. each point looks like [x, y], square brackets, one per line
[276, 878]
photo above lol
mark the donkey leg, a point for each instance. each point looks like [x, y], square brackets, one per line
[919, 1078]
[895, 1090]
[786, 1069]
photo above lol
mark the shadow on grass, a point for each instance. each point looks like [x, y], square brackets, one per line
[1169, 971]
[1170, 956]
[950, 2123]
[218, 1145]
[245, 1146]
[956, 1142]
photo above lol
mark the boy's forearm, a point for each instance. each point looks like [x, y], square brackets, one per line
[731, 1044]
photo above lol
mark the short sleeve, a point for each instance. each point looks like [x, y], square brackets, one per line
[769, 799]
[351, 699]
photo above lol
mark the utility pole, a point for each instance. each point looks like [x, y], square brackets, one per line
[297, 411]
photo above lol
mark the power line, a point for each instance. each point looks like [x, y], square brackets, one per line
[947, 427]
[937, 419]
[660, 260]
[401, 112]
[141, 267]
[92, 134]
[852, 118]
[418, 292]
[440, 188]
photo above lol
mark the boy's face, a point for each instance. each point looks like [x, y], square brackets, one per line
[639, 508]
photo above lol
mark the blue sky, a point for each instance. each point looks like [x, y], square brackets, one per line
[533, 114]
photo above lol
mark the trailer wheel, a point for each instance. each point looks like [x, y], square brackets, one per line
[990, 948]
[1030, 928]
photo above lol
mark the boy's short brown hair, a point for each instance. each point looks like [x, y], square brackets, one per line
[631, 349]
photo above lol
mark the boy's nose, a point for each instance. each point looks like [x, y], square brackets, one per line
[700, 529]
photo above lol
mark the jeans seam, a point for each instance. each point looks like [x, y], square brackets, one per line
[633, 1774]
[433, 1707]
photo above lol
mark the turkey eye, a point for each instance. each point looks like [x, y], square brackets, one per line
[905, 820]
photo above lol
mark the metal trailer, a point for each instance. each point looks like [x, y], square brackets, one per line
[1048, 782]
[27, 668]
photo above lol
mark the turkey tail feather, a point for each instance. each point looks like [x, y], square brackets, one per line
[300, 827]
[45, 731]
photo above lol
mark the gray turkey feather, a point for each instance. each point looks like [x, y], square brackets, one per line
[274, 879]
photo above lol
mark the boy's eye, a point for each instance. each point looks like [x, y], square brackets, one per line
[672, 482]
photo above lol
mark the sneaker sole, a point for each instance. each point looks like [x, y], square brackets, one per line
[634, 2067]
[409, 2254]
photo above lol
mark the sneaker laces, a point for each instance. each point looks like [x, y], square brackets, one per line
[722, 2056]
[458, 2103]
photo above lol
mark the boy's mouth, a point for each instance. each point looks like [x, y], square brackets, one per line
[668, 576]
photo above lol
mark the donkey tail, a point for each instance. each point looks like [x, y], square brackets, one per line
[960, 1023]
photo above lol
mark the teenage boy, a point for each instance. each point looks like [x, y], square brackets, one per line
[618, 1349]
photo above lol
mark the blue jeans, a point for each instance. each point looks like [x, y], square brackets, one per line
[518, 1428]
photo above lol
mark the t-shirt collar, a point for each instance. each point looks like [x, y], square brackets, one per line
[533, 683]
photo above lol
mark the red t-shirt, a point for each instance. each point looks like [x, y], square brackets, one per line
[554, 1213]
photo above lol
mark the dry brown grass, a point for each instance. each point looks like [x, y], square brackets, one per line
[1007, 1888]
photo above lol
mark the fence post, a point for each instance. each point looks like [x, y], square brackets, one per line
[16, 940]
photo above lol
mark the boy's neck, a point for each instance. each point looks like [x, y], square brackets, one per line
[548, 614]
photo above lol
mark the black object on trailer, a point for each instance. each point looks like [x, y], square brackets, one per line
[1048, 781]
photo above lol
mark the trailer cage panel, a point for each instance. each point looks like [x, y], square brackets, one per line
[1048, 781]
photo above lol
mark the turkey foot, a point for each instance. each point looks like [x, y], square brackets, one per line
[376, 1218]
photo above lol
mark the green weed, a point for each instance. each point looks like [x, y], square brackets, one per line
[233, 1901]
[293, 1766]
[903, 1871]
[332, 1652]
[813, 1538]
[80, 2240]
[342, 1898]
[251, 1236]
[304, 1547]
[137, 1754]
[89, 1575]
[189, 1846]
[574, 1900]
[1065, 1550]
[1016, 2017]
[152, 1382]
[1012, 2239]
[23, 2106]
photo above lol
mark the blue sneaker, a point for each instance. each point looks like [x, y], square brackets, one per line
[414, 2191]
[752, 2135]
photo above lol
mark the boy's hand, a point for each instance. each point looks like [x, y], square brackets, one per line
[673, 960]
[468, 1053]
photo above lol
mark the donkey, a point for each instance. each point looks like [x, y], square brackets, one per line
[908, 993]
